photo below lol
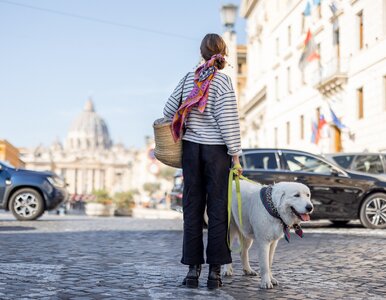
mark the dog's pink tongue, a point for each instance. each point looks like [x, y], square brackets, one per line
[305, 217]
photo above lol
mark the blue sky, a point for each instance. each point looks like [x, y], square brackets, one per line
[50, 64]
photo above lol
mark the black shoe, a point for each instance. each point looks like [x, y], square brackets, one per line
[191, 279]
[214, 277]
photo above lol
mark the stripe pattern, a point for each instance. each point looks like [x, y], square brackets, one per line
[219, 123]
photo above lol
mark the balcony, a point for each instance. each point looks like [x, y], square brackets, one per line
[330, 78]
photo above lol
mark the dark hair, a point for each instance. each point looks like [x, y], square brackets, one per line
[213, 44]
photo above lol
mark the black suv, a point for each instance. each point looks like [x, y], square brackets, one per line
[29, 193]
[337, 194]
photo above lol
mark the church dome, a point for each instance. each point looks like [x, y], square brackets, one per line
[88, 131]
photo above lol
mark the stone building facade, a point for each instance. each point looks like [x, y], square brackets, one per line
[283, 102]
[89, 160]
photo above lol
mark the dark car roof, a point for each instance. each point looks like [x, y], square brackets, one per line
[278, 149]
[355, 153]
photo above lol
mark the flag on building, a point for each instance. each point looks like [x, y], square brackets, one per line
[307, 9]
[335, 23]
[317, 129]
[314, 132]
[310, 52]
[306, 13]
[336, 121]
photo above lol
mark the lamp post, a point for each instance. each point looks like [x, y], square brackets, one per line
[228, 16]
[228, 13]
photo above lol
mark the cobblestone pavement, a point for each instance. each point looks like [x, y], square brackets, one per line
[75, 257]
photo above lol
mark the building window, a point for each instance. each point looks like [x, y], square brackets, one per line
[384, 89]
[360, 103]
[319, 47]
[275, 136]
[336, 41]
[289, 35]
[302, 127]
[319, 8]
[288, 133]
[317, 115]
[384, 17]
[303, 77]
[289, 83]
[277, 47]
[360, 29]
[277, 88]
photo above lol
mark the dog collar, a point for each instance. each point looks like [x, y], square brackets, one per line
[266, 198]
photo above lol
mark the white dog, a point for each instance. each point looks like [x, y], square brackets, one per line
[288, 201]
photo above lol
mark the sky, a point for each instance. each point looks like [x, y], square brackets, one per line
[57, 54]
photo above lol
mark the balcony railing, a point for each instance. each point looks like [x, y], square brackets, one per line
[331, 76]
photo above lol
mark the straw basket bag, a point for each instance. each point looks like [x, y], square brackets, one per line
[166, 150]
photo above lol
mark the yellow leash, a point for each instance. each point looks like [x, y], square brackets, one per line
[233, 175]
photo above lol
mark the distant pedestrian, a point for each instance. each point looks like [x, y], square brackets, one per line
[208, 123]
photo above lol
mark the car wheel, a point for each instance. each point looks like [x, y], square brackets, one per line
[339, 222]
[26, 204]
[373, 211]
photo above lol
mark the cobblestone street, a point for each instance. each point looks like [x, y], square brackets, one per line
[76, 257]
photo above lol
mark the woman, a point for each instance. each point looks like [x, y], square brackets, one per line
[208, 123]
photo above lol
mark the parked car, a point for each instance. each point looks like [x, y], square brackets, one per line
[337, 194]
[374, 163]
[176, 193]
[29, 193]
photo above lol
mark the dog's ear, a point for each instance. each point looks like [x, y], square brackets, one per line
[278, 194]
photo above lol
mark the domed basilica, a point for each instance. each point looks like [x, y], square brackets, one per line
[89, 160]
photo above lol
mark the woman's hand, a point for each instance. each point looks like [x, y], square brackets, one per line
[237, 165]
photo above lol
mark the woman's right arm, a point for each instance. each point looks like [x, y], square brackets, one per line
[173, 102]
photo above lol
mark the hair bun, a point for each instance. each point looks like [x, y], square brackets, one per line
[220, 63]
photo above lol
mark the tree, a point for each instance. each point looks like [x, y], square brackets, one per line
[151, 187]
[102, 196]
[124, 200]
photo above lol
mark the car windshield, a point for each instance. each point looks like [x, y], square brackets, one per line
[305, 163]
[344, 160]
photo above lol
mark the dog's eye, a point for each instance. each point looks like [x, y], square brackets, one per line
[297, 195]
[308, 195]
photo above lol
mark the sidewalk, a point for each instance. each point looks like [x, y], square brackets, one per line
[151, 213]
[85, 258]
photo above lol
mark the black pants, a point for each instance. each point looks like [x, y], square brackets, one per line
[205, 171]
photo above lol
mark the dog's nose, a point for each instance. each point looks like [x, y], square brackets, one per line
[309, 207]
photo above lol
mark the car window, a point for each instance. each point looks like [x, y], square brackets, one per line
[368, 163]
[261, 160]
[305, 163]
[344, 160]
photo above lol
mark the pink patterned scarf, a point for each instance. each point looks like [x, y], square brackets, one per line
[198, 96]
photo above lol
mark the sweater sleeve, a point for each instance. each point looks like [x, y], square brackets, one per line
[173, 102]
[227, 117]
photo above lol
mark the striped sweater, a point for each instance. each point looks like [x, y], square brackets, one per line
[219, 123]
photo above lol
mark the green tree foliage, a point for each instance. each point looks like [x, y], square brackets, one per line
[102, 196]
[124, 199]
[151, 187]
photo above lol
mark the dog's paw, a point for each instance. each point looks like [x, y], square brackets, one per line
[250, 272]
[274, 281]
[266, 284]
[228, 271]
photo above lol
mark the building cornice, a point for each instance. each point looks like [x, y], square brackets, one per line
[247, 7]
[256, 100]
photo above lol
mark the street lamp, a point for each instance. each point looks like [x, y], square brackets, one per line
[228, 16]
